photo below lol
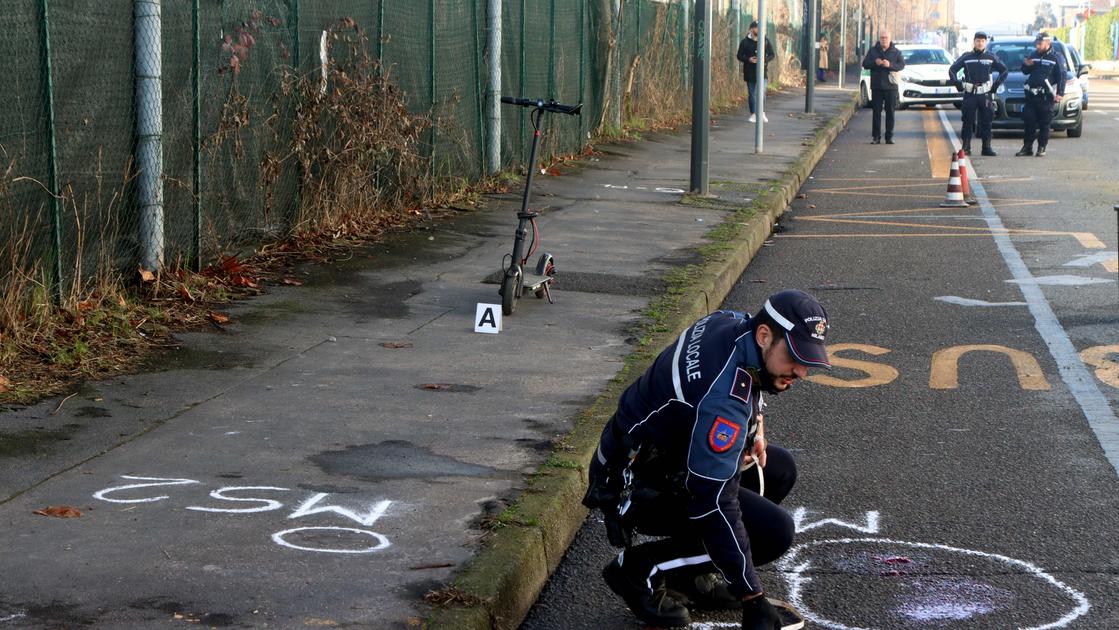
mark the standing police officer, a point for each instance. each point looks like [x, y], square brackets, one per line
[978, 86]
[1045, 87]
[685, 458]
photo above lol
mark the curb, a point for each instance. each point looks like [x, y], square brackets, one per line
[507, 575]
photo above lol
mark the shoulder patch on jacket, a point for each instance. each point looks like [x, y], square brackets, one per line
[742, 386]
[723, 434]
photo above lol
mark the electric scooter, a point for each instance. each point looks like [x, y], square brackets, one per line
[515, 280]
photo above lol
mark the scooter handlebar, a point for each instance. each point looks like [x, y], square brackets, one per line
[548, 106]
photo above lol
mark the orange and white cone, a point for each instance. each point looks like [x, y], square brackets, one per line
[969, 198]
[954, 198]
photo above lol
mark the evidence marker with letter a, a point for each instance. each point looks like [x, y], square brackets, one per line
[487, 319]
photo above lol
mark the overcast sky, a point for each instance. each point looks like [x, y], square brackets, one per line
[992, 12]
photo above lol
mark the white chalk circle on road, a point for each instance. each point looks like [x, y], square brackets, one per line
[924, 589]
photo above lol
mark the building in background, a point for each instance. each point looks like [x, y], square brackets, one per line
[1073, 12]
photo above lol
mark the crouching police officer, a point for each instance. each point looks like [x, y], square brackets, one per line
[1045, 87]
[685, 458]
[978, 86]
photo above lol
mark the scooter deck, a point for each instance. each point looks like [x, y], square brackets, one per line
[532, 281]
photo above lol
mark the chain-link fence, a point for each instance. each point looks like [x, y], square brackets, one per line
[166, 133]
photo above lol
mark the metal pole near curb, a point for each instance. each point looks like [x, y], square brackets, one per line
[843, 42]
[149, 130]
[810, 63]
[701, 96]
[493, 87]
[759, 82]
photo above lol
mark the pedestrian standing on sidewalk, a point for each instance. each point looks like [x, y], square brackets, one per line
[884, 61]
[822, 66]
[748, 55]
[1045, 87]
[979, 86]
[685, 458]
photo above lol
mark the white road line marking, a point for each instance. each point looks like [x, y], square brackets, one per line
[961, 301]
[1092, 259]
[1061, 281]
[1081, 383]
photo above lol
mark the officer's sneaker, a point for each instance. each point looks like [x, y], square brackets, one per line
[703, 592]
[653, 607]
[1024, 151]
[1041, 152]
[753, 118]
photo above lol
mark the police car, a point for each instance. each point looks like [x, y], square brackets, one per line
[923, 81]
[1068, 115]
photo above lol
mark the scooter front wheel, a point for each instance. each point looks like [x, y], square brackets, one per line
[510, 291]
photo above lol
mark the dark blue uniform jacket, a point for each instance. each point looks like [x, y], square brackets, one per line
[1048, 68]
[697, 408]
[978, 68]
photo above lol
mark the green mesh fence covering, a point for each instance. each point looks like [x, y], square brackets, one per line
[227, 123]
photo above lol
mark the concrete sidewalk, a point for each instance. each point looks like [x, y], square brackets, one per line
[304, 469]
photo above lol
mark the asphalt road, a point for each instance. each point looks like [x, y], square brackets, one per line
[954, 467]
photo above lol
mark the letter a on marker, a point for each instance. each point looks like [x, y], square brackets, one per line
[488, 319]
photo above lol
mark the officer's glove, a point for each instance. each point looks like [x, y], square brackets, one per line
[616, 531]
[968, 86]
[759, 614]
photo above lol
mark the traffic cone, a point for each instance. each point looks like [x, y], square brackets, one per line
[954, 198]
[969, 198]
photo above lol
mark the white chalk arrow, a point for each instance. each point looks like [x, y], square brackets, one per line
[801, 513]
[1065, 281]
[1109, 260]
[961, 301]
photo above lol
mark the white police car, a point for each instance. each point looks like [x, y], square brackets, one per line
[923, 81]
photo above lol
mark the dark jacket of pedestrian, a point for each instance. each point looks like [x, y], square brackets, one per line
[748, 48]
[880, 75]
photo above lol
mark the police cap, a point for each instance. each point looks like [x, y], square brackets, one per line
[980, 35]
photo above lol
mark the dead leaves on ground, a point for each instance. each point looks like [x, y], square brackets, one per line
[59, 511]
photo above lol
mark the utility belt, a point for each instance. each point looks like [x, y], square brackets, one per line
[1040, 90]
[977, 88]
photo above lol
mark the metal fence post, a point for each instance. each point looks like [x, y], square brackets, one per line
[479, 92]
[381, 32]
[701, 96]
[810, 61]
[431, 75]
[493, 138]
[682, 36]
[582, 66]
[48, 94]
[616, 67]
[196, 139]
[521, 110]
[149, 130]
[52, 153]
[843, 42]
[759, 81]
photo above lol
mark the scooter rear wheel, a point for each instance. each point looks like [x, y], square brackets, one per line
[510, 292]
